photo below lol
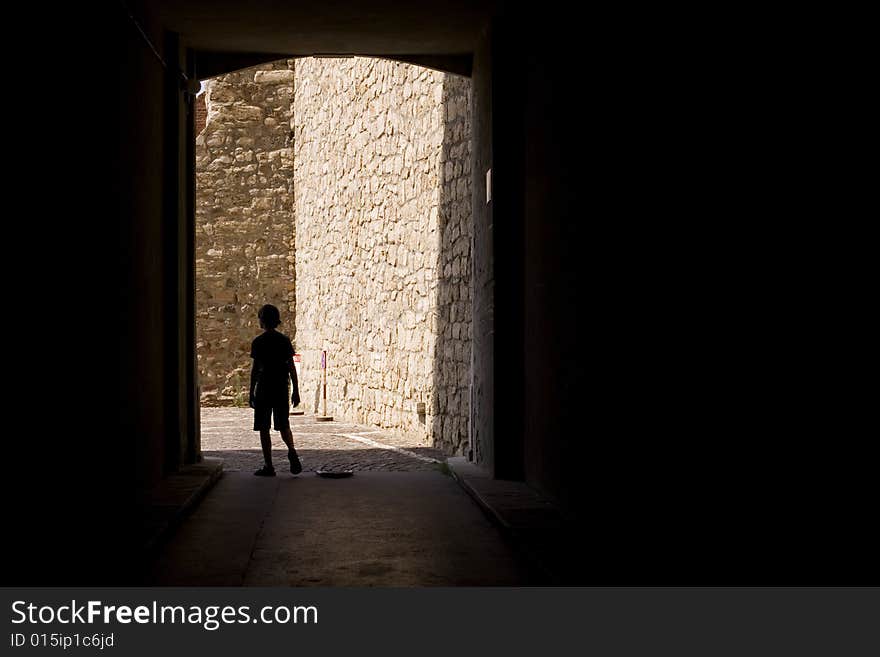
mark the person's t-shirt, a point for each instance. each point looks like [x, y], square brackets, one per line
[272, 353]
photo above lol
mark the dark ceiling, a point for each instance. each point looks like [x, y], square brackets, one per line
[326, 26]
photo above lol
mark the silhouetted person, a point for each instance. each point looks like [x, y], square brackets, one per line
[273, 365]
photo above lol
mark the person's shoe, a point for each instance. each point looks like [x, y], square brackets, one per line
[295, 466]
[265, 472]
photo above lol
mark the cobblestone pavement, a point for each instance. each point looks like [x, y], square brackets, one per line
[227, 434]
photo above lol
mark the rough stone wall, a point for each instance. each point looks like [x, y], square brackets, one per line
[244, 222]
[201, 117]
[382, 180]
[452, 352]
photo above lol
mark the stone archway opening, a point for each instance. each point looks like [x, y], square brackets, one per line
[338, 189]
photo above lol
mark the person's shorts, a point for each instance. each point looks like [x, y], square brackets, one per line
[280, 413]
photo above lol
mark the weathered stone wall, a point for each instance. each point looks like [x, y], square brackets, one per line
[382, 180]
[201, 113]
[244, 222]
[452, 352]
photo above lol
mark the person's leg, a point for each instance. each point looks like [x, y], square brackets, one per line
[287, 437]
[280, 414]
[262, 416]
[266, 444]
[282, 425]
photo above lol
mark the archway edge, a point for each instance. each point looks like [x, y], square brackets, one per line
[209, 64]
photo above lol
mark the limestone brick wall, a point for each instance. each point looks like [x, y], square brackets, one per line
[201, 113]
[452, 352]
[382, 185]
[244, 222]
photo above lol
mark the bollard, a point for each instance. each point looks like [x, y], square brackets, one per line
[324, 417]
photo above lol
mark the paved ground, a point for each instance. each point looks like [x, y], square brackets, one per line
[399, 521]
[227, 434]
[374, 529]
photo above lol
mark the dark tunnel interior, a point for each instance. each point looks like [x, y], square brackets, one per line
[620, 368]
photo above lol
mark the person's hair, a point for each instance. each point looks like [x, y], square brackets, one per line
[269, 316]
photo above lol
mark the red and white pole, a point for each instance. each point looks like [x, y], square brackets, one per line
[324, 378]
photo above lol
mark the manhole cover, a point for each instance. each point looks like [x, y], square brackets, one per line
[334, 474]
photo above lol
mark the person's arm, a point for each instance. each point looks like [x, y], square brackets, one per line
[251, 399]
[294, 388]
[251, 396]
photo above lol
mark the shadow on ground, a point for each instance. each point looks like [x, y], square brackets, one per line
[246, 460]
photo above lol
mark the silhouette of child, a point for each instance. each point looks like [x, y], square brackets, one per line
[273, 365]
